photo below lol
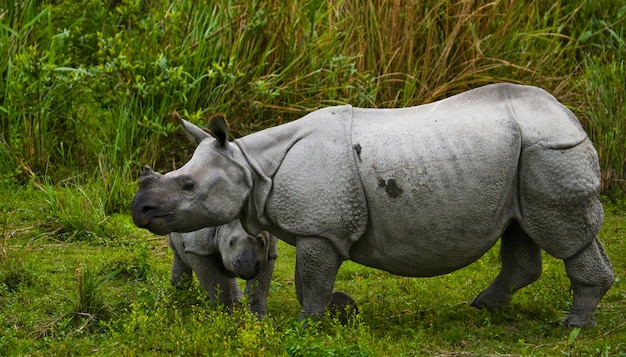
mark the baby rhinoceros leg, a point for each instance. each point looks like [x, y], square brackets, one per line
[219, 285]
[591, 275]
[181, 275]
[258, 288]
[521, 265]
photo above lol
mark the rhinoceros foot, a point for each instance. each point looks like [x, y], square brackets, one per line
[182, 281]
[491, 299]
[579, 320]
[342, 306]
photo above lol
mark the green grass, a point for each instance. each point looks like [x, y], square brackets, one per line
[111, 295]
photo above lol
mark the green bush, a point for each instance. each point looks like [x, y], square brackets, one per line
[89, 84]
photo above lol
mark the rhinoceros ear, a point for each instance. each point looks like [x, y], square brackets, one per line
[219, 127]
[193, 132]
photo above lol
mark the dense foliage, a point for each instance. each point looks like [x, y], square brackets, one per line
[88, 85]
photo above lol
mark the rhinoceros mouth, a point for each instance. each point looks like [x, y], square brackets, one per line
[246, 276]
[145, 216]
[158, 225]
[152, 221]
[249, 273]
[142, 222]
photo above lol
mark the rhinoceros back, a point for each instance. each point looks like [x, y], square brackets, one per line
[439, 180]
[443, 179]
[201, 242]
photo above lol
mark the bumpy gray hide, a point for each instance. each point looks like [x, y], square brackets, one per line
[416, 191]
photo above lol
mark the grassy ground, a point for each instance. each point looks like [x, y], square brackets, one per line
[67, 289]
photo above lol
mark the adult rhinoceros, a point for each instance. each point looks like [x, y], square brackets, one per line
[418, 191]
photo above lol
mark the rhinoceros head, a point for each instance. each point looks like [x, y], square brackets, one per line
[209, 190]
[242, 254]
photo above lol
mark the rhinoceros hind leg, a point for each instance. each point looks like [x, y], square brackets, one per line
[342, 306]
[521, 265]
[591, 275]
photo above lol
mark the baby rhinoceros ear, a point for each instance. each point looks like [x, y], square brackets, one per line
[219, 127]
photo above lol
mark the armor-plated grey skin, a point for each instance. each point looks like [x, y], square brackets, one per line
[218, 256]
[418, 191]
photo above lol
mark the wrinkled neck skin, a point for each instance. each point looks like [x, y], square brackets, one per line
[262, 153]
[253, 217]
[236, 156]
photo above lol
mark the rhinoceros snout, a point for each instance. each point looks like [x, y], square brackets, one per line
[142, 216]
[250, 271]
[142, 211]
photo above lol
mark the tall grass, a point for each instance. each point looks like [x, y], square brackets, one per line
[88, 87]
[607, 124]
[89, 304]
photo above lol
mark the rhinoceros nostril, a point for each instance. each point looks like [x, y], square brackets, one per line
[257, 267]
[147, 209]
[143, 215]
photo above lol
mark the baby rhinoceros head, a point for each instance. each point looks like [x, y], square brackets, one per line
[243, 254]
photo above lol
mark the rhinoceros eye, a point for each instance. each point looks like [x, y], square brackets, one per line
[187, 184]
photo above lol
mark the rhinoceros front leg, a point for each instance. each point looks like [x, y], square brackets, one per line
[317, 264]
[591, 274]
[521, 265]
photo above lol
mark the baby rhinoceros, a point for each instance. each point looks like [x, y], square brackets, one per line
[218, 255]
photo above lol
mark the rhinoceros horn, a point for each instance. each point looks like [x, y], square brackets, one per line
[147, 176]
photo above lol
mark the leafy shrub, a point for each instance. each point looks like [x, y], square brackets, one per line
[74, 215]
[88, 88]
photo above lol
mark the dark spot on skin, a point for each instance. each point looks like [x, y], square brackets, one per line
[390, 187]
[357, 149]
